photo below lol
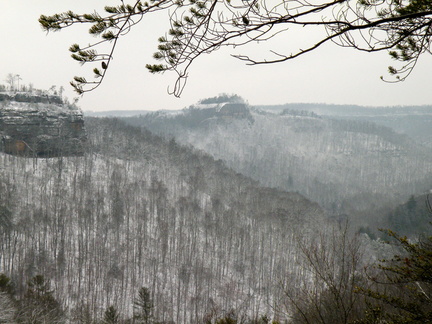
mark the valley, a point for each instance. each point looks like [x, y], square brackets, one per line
[348, 164]
[220, 212]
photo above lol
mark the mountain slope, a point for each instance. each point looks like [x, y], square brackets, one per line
[414, 121]
[342, 164]
[136, 211]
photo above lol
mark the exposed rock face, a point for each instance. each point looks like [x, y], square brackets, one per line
[41, 129]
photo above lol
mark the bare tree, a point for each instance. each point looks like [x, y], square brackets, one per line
[10, 80]
[7, 309]
[18, 79]
[330, 274]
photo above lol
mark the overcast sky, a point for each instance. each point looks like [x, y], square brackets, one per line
[329, 75]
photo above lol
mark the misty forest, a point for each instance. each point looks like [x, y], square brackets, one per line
[219, 213]
[222, 212]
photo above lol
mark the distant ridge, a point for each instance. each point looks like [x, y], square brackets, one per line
[349, 110]
[116, 113]
[318, 108]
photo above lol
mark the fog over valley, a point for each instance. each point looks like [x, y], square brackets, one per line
[216, 162]
[221, 212]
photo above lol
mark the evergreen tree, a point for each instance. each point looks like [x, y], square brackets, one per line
[143, 307]
[6, 285]
[199, 27]
[111, 316]
[39, 304]
[403, 289]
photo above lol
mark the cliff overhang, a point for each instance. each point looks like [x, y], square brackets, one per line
[41, 127]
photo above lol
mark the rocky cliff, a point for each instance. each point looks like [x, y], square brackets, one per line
[40, 126]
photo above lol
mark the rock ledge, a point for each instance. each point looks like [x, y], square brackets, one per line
[41, 129]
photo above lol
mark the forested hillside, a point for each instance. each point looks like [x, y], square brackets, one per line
[345, 165]
[414, 121]
[139, 214]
